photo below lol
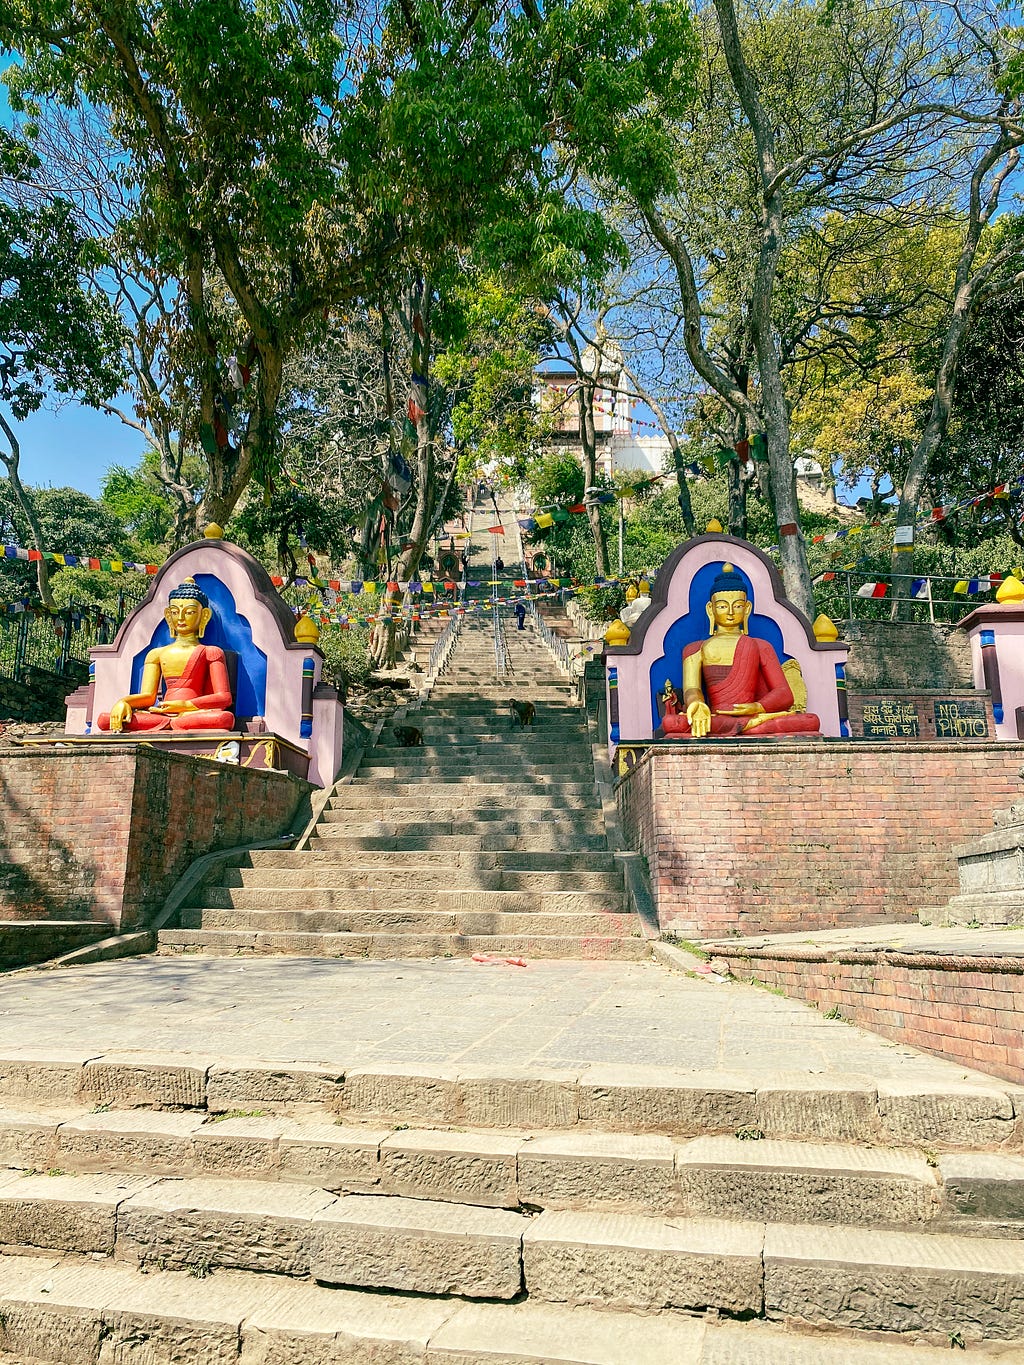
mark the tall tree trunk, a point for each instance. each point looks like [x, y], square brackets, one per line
[12, 463]
[585, 393]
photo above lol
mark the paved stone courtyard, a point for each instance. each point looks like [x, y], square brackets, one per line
[548, 1014]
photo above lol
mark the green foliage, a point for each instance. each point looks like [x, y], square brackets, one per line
[556, 479]
[71, 522]
[346, 659]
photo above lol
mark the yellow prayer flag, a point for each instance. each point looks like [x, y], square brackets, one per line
[544, 520]
[117, 566]
[369, 587]
[961, 587]
[427, 587]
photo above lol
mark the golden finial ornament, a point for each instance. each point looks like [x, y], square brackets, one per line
[307, 632]
[825, 629]
[617, 633]
[714, 527]
[1010, 592]
[213, 531]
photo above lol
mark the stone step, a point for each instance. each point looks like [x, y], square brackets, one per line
[449, 878]
[385, 946]
[520, 862]
[413, 823]
[830, 1277]
[388, 896]
[516, 745]
[65, 1312]
[417, 922]
[960, 1117]
[273, 1227]
[478, 785]
[337, 836]
[835, 1277]
[512, 773]
[641, 1173]
[458, 798]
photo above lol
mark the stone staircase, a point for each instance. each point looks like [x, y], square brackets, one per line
[177, 1211]
[486, 839]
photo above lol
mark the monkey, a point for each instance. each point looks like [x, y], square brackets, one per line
[408, 736]
[522, 713]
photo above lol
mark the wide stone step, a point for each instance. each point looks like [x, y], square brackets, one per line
[458, 798]
[472, 923]
[420, 875]
[379, 1242]
[388, 896]
[337, 836]
[58, 1311]
[520, 862]
[384, 946]
[512, 773]
[574, 1170]
[516, 746]
[961, 1117]
[512, 784]
[413, 823]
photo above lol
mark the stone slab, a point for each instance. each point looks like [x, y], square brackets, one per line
[865, 1280]
[640, 1100]
[27, 1139]
[148, 1141]
[495, 1097]
[420, 1245]
[61, 1212]
[549, 1334]
[145, 1080]
[796, 1106]
[240, 1224]
[987, 1185]
[398, 1092]
[471, 1168]
[250, 1085]
[336, 1156]
[246, 1145]
[812, 1182]
[961, 1115]
[583, 1170]
[624, 1261]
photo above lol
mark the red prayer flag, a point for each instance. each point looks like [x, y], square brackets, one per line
[34, 556]
[496, 530]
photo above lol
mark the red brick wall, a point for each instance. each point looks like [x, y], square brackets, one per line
[105, 834]
[966, 1009]
[747, 838]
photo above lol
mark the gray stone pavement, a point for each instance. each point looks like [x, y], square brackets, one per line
[549, 1014]
[957, 940]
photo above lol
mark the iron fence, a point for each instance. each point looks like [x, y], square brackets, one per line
[59, 642]
[940, 599]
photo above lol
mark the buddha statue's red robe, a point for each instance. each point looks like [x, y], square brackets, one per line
[204, 681]
[755, 675]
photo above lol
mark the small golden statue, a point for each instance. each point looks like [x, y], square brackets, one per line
[733, 683]
[194, 676]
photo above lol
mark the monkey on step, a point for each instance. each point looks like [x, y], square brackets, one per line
[521, 712]
[408, 736]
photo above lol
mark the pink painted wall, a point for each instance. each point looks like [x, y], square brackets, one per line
[671, 601]
[1007, 623]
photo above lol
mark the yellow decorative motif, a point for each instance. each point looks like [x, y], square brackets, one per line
[213, 531]
[307, 632]
[825, 629]
[714, 527]
[1010, 592]
[617, 633]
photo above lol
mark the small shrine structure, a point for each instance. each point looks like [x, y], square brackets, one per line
[644, 674]
[266, 705]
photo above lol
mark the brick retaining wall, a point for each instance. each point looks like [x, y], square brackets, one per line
[771, 837]
[105, 834]
[965, 1009]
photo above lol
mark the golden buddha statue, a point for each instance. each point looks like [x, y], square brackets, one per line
[194, 676]
[733, 683]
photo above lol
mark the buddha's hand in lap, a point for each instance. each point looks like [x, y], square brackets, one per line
[173, 708]
[120, 715]
[745, 708]
[698, 713]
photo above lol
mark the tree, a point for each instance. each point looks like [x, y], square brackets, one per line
[285, 162]
[808, 115]
[53, 338]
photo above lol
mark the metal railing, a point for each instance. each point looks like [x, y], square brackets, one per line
[843, 594]
[443, 646]
[554, 642]
[59, 642]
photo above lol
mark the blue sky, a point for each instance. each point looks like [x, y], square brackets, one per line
[74, 446]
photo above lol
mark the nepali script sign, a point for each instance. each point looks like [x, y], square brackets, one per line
[890, 720]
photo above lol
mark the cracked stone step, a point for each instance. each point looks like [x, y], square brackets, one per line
[455, 878]
[629, 1261]
[62, 1212]
[65, 1313]
[784, 1181]
[328, 837]
[514, 862]
[419, 1245]
[411, 921]
[384, 946]
[384, 896]
[862, 1279]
